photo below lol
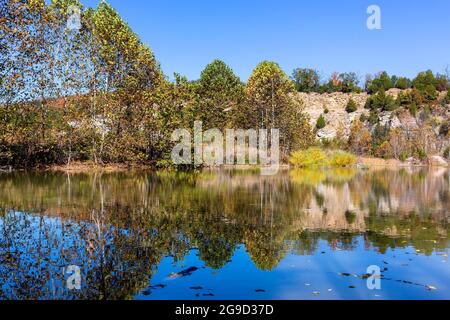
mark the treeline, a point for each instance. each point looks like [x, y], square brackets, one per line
[427, 83]
[97, 93]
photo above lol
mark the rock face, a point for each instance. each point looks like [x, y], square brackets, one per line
[332, 106]
[437, 161]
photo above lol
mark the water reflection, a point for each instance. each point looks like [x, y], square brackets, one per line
[135, 235]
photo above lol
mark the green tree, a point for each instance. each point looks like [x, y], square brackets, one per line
[321, 123]
[221, 93]
[426, 83]
[351, 106]
[306, 80]
[381, 101]
[270, 104]
[349, 82]
[381, 81]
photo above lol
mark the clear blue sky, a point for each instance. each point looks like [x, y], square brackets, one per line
[327, 35]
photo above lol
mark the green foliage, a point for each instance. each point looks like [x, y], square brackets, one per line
[403, 83]
[447, 97]
[306, 80]
[412, 109]
[351, 106]
[312, 157]
[381, 101]
[221, 95]
[349, 82]
[269, 104]
[321, 123]
[316, 157]
[343, 82]
[342, 159]
[421, 154]
[381, 82]
[427, 84]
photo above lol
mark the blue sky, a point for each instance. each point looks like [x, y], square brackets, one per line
[326, 35]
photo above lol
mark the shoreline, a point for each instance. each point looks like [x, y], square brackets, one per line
[90, 167]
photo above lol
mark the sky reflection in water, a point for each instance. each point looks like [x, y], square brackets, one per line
[226, 235]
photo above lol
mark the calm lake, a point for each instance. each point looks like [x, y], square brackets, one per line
[302, 234]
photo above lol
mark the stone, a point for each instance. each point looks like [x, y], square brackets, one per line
[437, 161]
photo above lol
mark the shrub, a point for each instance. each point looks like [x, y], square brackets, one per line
[413, 109]
[316, 157]
[381, 101]
[447, 153]
[312, 157]
[321, 122]
[421, 154]
[403, 83]
[306, 80]
[447, 97]
[351, 106]
[342, 159]
[430, 93]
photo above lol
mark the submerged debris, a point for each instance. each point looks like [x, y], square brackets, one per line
[196, 288]
[183, 273]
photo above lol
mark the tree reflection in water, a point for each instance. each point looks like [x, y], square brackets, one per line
[118, 227]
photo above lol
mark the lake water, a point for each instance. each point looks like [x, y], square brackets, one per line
[302, 234]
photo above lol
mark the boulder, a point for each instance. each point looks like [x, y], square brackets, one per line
[437, 161]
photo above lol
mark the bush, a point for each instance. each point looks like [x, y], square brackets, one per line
[342, 159]
[430, 93]
[421, 154]
[447, 97]
[413, 109]
[321, 122]
[381, 101]
[403, 83]
[316, 157]
[447, 153]
[312, 157]
[351, 106]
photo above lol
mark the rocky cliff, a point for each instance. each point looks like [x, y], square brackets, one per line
[332, 107]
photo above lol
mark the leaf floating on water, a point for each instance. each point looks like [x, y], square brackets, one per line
[196, 288]
[183, 273]
[345, 274]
